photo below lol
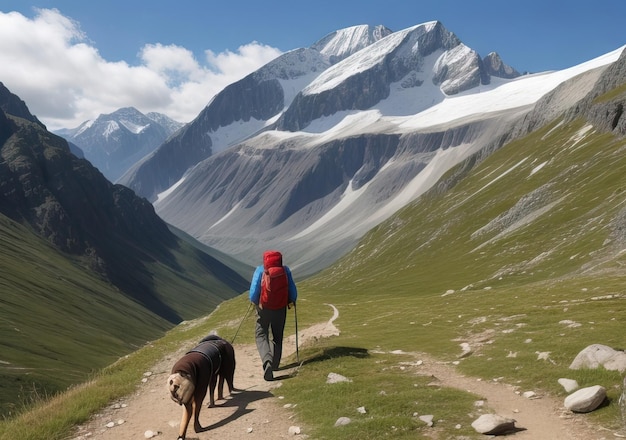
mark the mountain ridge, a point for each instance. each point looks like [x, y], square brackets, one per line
[337, 196]
[89, 271]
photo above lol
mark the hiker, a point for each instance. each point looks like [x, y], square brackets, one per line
[272, 291]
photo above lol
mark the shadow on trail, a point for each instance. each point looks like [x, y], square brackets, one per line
[323, 355]
[241, 400]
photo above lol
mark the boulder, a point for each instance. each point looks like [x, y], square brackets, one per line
[597, 355]
[493, 424]
[586, 399]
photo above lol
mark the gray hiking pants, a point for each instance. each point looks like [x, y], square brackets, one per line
[270, 347]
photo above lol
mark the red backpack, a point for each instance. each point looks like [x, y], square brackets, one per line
[274, 282]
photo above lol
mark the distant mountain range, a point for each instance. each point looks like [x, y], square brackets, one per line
[115, 141]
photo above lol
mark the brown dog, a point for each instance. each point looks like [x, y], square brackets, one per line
[190, 379]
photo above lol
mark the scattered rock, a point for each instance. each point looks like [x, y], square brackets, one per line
[586, 399]
[361, 409]
[150, 434]
[529, 394]
[570, 324]
[110, 425]
[336, 378]
[568, 385]
[543, 355]
[466, 350]
[341, 421]
[596, 355]
[294, 430]
[493, 424]
[428, 419]
[249, 430]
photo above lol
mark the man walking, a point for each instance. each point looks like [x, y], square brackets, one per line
[272, 291]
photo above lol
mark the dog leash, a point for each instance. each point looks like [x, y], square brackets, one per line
[240, 324]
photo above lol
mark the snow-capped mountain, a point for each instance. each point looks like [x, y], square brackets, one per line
[244, 108]
[115, 141]
[307, 155]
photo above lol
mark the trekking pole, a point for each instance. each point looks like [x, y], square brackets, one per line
[295, 312]
[244, 318]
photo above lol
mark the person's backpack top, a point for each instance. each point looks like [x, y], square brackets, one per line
[274, 283]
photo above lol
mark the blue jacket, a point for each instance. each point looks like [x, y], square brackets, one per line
[255, 285]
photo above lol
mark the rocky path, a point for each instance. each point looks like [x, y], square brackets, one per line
[260, 413]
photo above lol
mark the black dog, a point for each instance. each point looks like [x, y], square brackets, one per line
[191, 377]
[227, 368]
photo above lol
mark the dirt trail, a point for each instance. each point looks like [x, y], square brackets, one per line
[260, 412]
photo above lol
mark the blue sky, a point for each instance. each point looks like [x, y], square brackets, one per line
[173, 57]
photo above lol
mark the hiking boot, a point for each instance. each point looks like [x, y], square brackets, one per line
[267, 372]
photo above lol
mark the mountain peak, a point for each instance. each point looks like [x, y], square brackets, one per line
[11, 104]
[496, 67]
[113, 142]
[344, 42]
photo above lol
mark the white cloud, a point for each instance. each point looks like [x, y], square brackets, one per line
[50, 63]
[247, 59]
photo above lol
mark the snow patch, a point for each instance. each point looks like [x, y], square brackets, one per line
[163, 195]
[132, 127]
[110, 128]
[538, 167]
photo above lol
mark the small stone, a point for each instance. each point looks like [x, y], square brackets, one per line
[294, 430]
[110, 424]
[428, 419]
[342, 421]
[361, 409]
[336, 378]
[568, 385]
[249, 430]
[529, 394]
[149, 434]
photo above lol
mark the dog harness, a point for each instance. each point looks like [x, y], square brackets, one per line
[211, 352]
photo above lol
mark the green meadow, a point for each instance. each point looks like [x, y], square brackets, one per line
[518, 254]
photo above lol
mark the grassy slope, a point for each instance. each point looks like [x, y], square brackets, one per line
[425, 281]
[59, 324]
